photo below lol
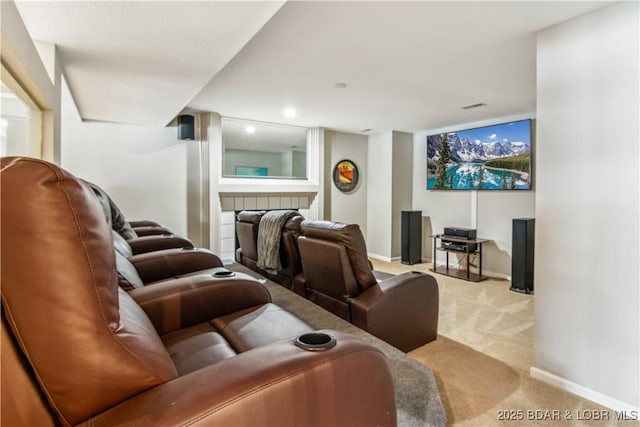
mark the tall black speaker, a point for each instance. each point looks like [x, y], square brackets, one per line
[522, 255]
[411, 237]
[186, 127]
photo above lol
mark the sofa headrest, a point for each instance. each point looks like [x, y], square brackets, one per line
[351, 237]
[114, 215]
[103, 198]
[252, 217]
[61, 297]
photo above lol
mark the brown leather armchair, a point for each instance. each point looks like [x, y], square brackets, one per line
[401, 310]
[77, 350]
[247, 228]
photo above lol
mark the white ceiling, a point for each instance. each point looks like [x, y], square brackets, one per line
[407, 65]
[142, 62]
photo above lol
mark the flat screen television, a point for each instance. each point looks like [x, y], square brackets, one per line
[496, 157]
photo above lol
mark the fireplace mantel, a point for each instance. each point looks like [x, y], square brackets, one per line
[232, 202]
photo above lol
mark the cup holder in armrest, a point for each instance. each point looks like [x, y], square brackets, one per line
[416, 272]
[223, 273]
[315, 341]
[186, 248]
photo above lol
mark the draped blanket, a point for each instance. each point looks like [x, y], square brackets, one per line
[269, 232]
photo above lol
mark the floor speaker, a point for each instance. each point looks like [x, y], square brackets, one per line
[186, 127]
[411, 237]
[522, 255]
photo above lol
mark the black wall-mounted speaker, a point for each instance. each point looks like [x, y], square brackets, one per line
[522, 255]
[411, 243]
[186, 127]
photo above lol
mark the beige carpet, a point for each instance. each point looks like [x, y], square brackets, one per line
[482, 357]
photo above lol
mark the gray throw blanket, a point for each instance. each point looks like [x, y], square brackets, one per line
[269, 232]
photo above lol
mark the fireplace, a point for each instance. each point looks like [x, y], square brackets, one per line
[231, 204]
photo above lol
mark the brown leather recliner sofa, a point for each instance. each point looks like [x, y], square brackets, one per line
[77, 350]
[144, 244]
[247, 228]
[401, 310]
[132, 230]
[135, 271]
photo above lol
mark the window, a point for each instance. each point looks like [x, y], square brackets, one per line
[20, 121]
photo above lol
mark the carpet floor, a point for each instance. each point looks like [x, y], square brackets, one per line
[417, 396]
[482, 357]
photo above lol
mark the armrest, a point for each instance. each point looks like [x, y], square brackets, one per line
[144, 223]
[178, 303]
[158, 265]
[401, 310]
[152, 231]
[144, 244]
[278, 384]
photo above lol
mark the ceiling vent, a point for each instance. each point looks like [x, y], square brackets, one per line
[479, 104]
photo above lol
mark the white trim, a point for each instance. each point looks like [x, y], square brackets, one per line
[581, 391]
[383, 258]
[312, 184]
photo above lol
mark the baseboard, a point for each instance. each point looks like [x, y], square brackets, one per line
[383, 258]
[584, 392]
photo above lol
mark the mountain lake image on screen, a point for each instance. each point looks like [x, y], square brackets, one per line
[496, 157]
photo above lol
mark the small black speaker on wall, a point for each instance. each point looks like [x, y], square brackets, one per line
[411, 250]
[522, 255]
[186, 127]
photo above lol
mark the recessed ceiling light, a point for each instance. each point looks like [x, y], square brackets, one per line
[250, 129]
[290, 113]
[341, 85]
[479, 104]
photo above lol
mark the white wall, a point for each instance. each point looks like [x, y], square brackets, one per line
[587, 325]
[402, 164]
[143, 168]
[379, 195]
[272, 161]
[490, 212]
[350, 208]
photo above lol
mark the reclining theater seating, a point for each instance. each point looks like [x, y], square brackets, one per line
[247, 227]
[135, 271]
[77, 350]
[128, 229]
[401, 310]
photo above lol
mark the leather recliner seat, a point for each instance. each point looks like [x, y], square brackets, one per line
[131, 230]
[401, 310]
[135, 271]
[247, 225]
[78, 350]
[247, 229]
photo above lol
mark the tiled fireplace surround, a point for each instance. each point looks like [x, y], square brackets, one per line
[230, 204]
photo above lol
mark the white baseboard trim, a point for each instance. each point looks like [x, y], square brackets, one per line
[577, 389]
[383, 258]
